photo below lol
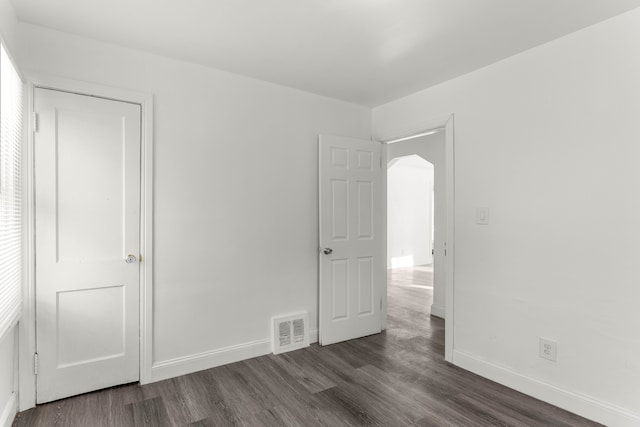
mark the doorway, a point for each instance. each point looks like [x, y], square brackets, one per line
[417, 143]
[134, 113]
[87, 194]
[417, 211]
[410, 249]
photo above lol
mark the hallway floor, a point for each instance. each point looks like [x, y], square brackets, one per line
[396, 378]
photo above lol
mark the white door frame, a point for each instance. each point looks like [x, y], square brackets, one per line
[444, 123]
[27, 329]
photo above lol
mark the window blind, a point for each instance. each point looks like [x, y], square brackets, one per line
[11, 104]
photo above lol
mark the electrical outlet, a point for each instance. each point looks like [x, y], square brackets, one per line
[548, 349]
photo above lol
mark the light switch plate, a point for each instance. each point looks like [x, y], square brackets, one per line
[482, 215]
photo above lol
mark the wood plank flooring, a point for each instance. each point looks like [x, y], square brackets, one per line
[396, 378]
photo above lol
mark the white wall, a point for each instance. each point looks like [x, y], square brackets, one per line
[409, 211]
[432, 148]
[8, 343]
[236, 202]
[8, 377]
[559, 257]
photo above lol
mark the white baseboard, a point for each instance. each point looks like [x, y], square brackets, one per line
[437, 311]
[582, 405]
[209, 359]
[9, 411]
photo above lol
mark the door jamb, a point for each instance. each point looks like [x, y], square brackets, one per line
[27, 331]
[445, 123]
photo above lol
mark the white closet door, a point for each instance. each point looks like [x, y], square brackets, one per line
[87, 181]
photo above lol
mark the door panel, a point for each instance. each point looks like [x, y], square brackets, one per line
[98, 178]
[365, 286]
[349, 176]
[87, 182]
[365, 210]
[339, 210]
[96, 307]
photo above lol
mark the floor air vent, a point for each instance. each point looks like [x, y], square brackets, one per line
[290, 332]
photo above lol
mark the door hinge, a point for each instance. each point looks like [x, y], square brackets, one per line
[380, 304]
[35, 121]
[35, 363]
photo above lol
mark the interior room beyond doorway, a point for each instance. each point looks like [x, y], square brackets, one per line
[416, 215]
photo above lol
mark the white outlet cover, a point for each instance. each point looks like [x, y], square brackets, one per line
[548, 349]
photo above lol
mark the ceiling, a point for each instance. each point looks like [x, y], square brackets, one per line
[363, 51]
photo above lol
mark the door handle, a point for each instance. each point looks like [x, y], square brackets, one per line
[130, 259]
[327, 251]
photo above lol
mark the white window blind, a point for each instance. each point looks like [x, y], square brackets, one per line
[11, 100]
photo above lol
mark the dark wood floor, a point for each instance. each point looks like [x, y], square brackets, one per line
[396, 378]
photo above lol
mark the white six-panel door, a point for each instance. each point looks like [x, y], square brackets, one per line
[87, 184]
[350, 241]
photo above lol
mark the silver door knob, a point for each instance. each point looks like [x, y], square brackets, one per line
[327, 251]
[130, 259]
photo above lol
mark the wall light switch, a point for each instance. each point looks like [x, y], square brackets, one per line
[482, 215]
